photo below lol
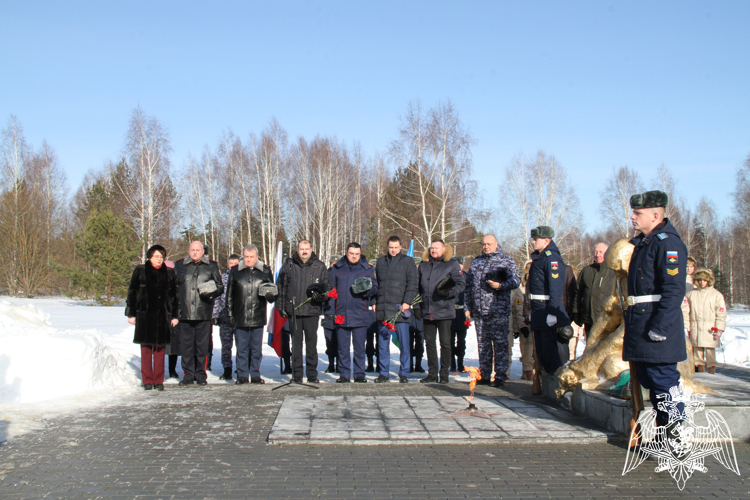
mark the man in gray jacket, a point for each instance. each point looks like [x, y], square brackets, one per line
[199, 282]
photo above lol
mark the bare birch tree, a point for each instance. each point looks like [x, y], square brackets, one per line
[147, 147]
[615, 199]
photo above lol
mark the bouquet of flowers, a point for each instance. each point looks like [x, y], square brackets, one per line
[391, 323]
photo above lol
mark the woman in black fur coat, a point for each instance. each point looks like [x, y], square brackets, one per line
[152, 306]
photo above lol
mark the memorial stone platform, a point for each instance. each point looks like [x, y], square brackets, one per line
[378, 420]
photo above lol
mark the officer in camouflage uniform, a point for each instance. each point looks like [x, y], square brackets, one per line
[489, 282]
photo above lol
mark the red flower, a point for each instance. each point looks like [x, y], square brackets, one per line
[333, 294]
[339, 319]
[385, 323]
[467, 322]
[391, 327]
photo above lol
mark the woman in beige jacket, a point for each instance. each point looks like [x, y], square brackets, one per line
[708, 314]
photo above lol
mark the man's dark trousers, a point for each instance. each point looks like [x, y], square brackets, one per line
[194, 336]
[431, 330]
[355, 337]
[307, 326]
[658, 378]
[545, 342]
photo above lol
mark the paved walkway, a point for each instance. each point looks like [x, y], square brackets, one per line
[211, 443]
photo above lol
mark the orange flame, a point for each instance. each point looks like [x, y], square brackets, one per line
[475, 375]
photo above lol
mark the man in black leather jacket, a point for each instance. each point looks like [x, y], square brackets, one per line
[199, 282]
[246, 301]
[295, 277]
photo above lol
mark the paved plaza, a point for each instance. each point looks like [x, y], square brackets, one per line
[213, 443]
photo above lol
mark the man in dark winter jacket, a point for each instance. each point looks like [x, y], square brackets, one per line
[226, 331]
[492, 276]
[595, 282]
[249, 289]
[397, 289]
[440, 282]
[294, 281]
[654, 331]
[545, 292]
[199, 283]
[354, 280]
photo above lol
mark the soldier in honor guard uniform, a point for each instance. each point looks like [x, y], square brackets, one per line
[545, 291]
[654, 331]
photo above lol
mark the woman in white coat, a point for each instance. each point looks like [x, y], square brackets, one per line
[708, 314]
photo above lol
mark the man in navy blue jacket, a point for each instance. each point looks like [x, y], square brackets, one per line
[654, 331]
[354, 280]
[545, 291]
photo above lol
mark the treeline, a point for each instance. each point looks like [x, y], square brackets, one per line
[257, 188]
[263, 186]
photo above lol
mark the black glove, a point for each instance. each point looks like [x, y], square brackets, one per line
[318, 292]
[445, 287]
[270, 297]
[564, 334]
[525, 330]
[283, 314]
[516, 335]
[215, 321]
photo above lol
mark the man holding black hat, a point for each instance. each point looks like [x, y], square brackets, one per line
[301, 278]
[545, 292]
[654, 332]
[492, 276]
[440, 283]
[354, 280]
[199, 282]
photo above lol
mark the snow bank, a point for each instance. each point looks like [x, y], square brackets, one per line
[735, 341]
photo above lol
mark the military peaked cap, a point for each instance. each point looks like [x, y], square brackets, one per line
[543, 232]
[649, 199]
[361, 285]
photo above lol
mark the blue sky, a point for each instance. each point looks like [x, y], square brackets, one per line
[597, 84]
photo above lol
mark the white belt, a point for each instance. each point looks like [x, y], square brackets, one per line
[539, 297]
[637, 299]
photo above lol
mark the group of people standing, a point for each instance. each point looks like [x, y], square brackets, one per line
[541, 306]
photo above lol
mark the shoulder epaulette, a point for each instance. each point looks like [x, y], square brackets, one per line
[662, 236]
[548, 252]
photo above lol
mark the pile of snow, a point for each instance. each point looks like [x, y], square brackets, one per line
[735, 341]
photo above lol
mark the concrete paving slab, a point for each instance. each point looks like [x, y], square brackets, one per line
[377, 420]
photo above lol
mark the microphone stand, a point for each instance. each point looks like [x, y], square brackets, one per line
[294, 351]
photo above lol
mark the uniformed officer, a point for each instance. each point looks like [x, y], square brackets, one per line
[654, 331]
[545, 290]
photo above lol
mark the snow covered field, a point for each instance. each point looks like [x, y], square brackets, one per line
[58, 355]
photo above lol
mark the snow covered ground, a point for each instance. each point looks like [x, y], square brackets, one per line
[58, 355]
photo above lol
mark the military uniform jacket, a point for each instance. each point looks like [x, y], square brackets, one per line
[353, 307]
[657, 267]
[547, 277]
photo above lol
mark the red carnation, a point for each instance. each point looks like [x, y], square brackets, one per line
[339, 319]
[467, 322]
[333, 294]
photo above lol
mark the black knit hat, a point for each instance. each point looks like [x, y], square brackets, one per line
[155, 248]
[649, 199]
[543, 232]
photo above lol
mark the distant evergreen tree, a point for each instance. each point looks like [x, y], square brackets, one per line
[106, 245]
[722, 285]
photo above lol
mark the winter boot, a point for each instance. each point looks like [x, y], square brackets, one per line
[418, 366]
[287, 365]
[227, 375]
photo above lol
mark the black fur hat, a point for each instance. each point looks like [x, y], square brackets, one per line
[649, 199]
[543, 232]
[155, 248]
